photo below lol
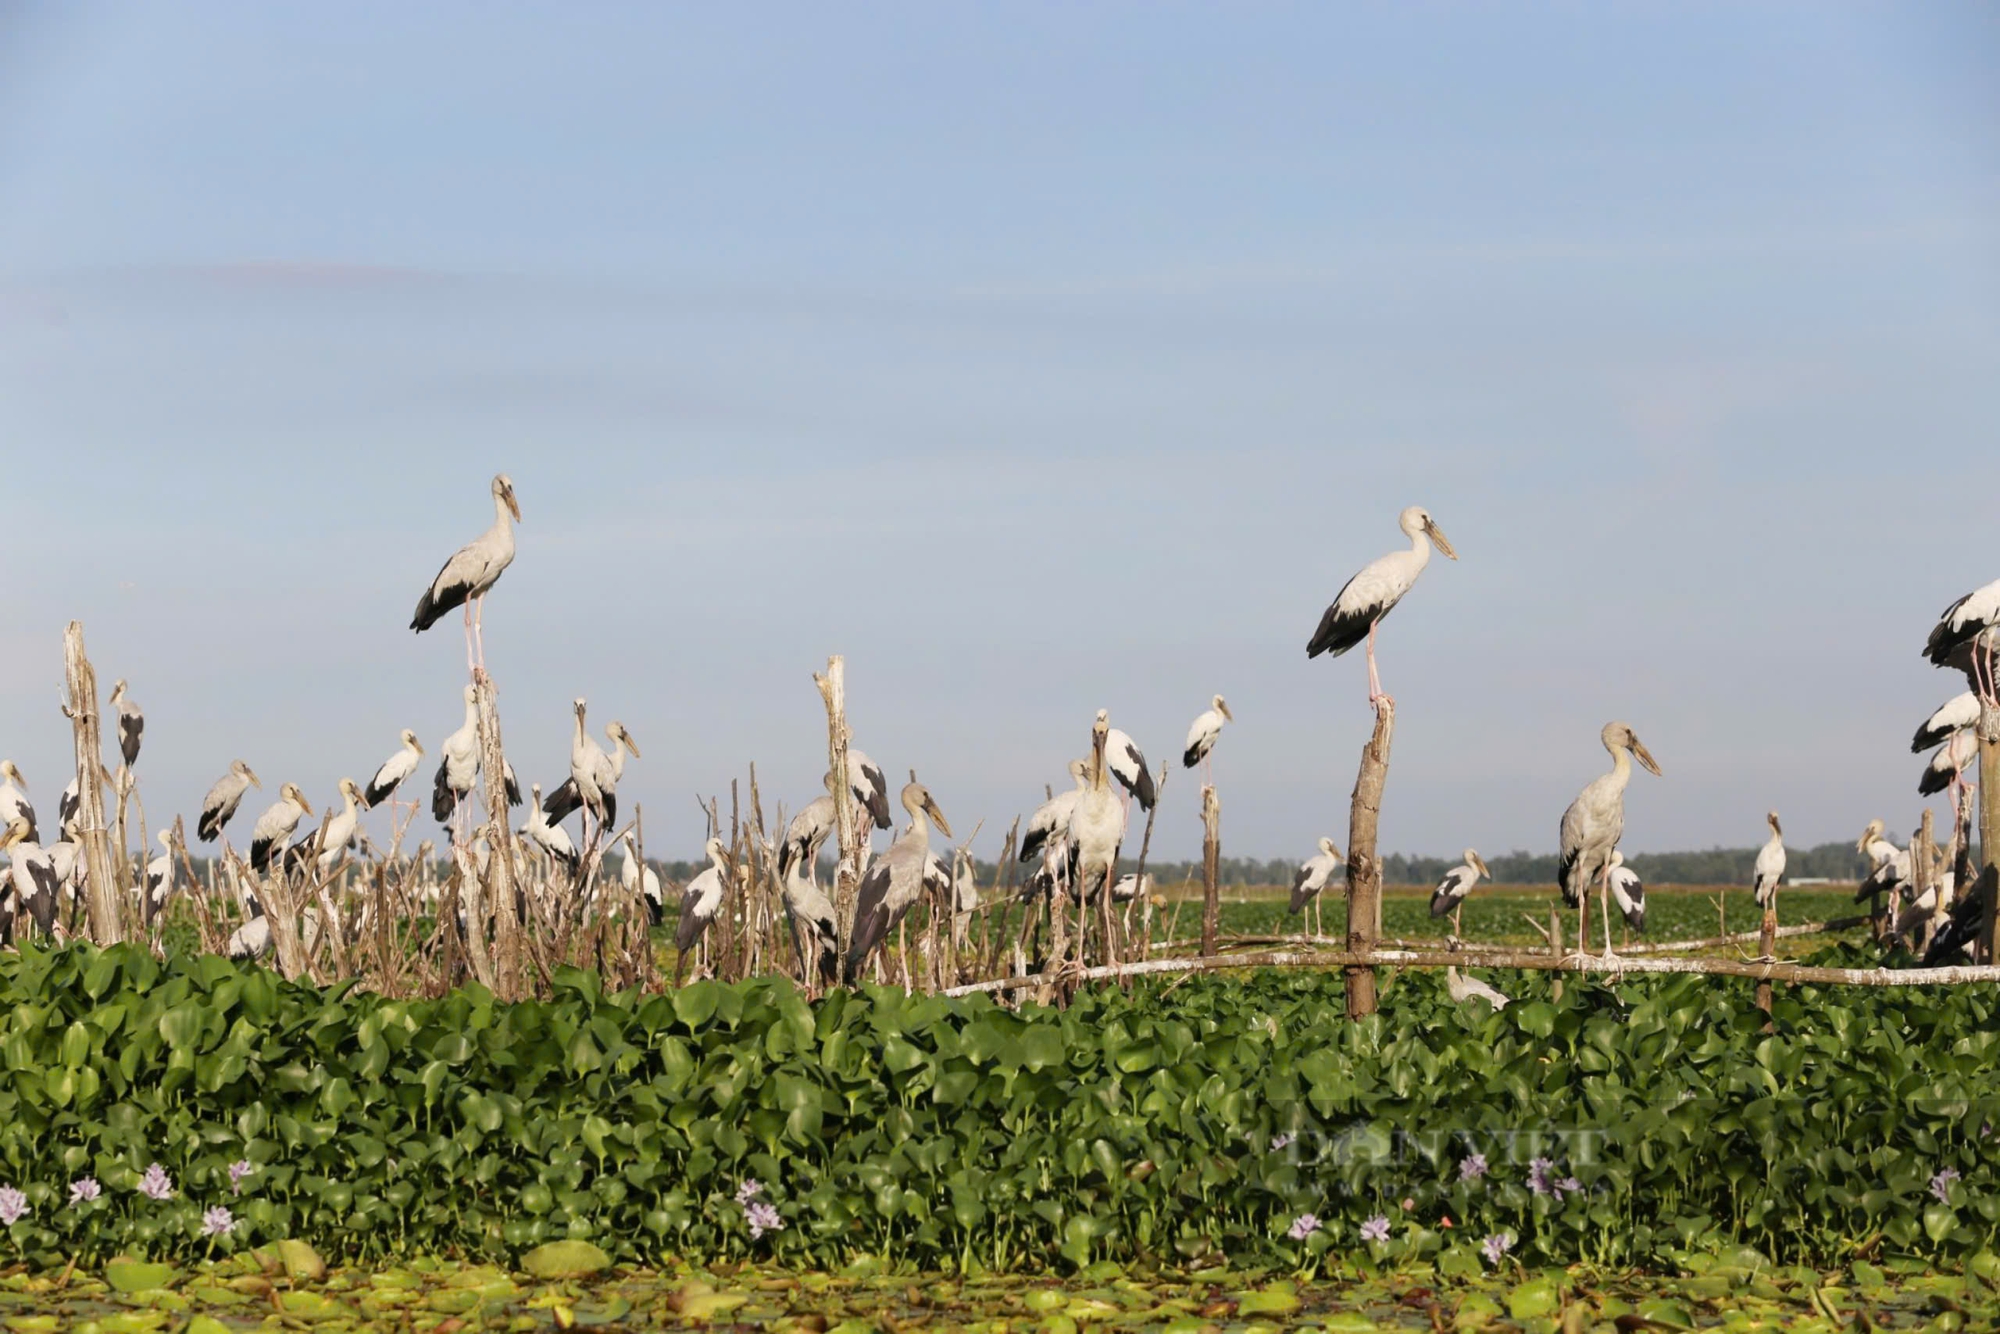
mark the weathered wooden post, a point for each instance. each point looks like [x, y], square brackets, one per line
[107, 918]
[847, 873]
[1923, 875]
[1767, 941]
[1989, 830]
[1211, 867]
[1364, 871]
[501, 899]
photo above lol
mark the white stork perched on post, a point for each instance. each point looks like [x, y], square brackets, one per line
[1202, 734]
[458, 765]
[1048, 826]
[1373, 593]
[393, 771]
[1770, 868]
[896, 881]
[219, 806]
[554, 840]
[1097, 822]
[1951, 760]
[472, 570]
[1954, 715]
[1594, 823]
[1964, 632]
[131, 723]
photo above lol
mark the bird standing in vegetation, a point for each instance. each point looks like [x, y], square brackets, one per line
[1449, 896]
[815, 925]
[1373, 593]
[1097, 822]
[1048, 827]
[640, 880]
[1628, 892]
[33, 882]
[896, 881]
[1463, 989]
[1592, 826]
[593, 774]
[700, 902]
[159, 878]
[1315, 873]
[553, 839]
[472, 570]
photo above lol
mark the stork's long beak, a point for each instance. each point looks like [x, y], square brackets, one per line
[513, 505]
[1480, 862]
[254, 780]
[1437, 535]
[13, 833]
[1645, 757]
[1224, 710]
[625, 738]
[416, 745]
[937, 816]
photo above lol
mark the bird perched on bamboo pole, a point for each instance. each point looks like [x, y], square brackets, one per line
[593, 773]
[1365, 599]
[1594, 823]
[336, 835]
[895, 881]
[1450, 895]
[131, 723]
[1309, 883]
[394, 770]
[472, 570]
[553, 839]
[1202, 735]
[1953, 716]
[219, 806]
[1770, 867]
[700, 902]
[458, 765]
[14, 798]
[276, 824]
[1949, 763]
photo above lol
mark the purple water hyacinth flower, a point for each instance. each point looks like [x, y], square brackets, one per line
[156, 1184]
[1303, 1226]
[1376, 1228]
[218, 1222]
[1283, 1141]
[1472, 1167]
[239, 1169]
[1941, 1184]
[1496, 1246]
[1540, 1172]
[748, 1191]
[1569, 1185]
[83, 1190]
[763, 1218]
[13, 1205]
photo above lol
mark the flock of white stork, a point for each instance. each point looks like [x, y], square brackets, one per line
[1076, 836]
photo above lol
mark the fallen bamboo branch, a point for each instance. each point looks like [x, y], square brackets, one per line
[1525, 960]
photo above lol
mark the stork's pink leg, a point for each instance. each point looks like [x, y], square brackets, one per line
[468, 637]
[479, 628]
[1375, 694]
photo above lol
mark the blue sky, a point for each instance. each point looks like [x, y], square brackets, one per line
[1038, 358]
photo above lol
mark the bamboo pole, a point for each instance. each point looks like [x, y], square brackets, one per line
[1533, 960]
[1211, 867]
[107, 920]
[1989, 829]
[499, 891]
[1364, 872]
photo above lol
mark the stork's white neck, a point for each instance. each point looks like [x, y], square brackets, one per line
[1420, 547]
[1621, 766]
[503, 519]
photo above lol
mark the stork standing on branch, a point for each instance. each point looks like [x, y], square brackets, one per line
[896, 881]
[393, 771]
[593, 774]
[276, 824]
[131, 723]
[1096, 825]
[700, 903]
[1964, 637]
[1953, 716]
[1201, 737]
[472, 570]
[1770, 868]
[1373, 593]
[219, 806]
[1592, 826]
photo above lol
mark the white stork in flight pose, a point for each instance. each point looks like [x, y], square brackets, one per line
[1592, 826]
[1964, 636]
[1373, 593]
[473, 569]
